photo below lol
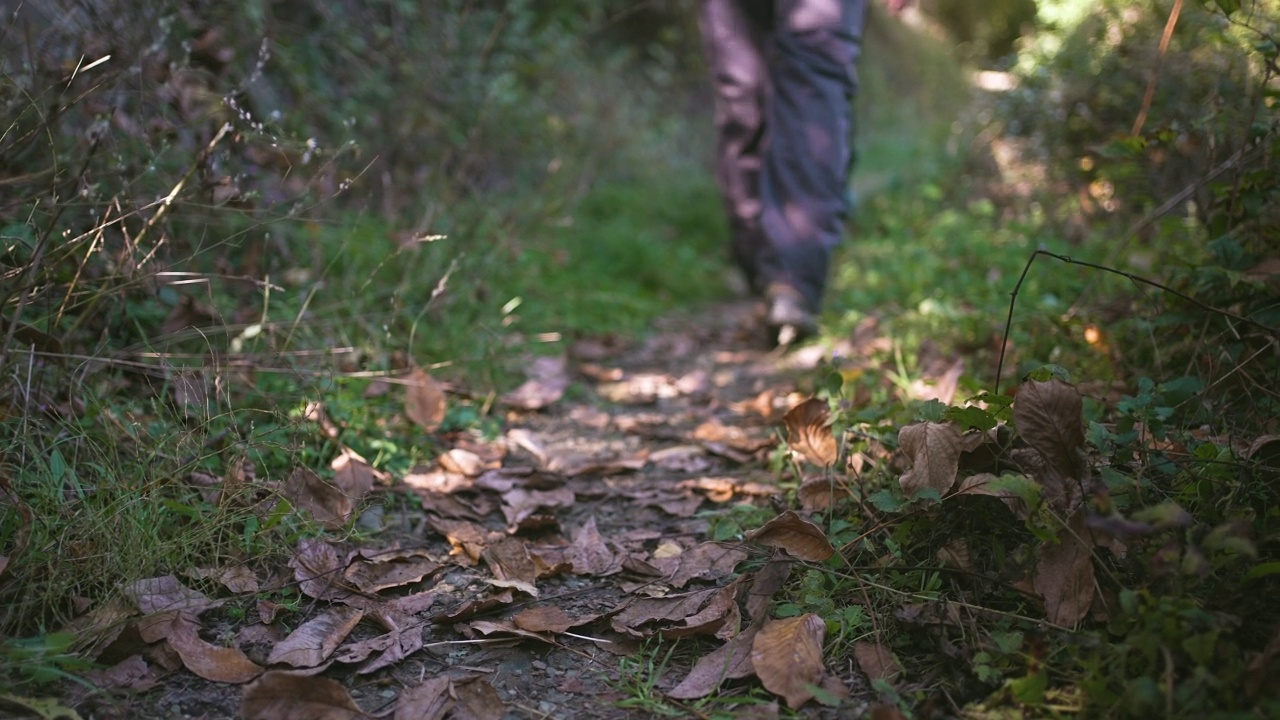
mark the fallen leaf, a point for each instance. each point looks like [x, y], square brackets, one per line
[643, 617]
[934, 451]
[318, 570]
[548, 379]
[167, 594]
[509, 561]
[327, 504]
[462, 462]
[520, 503]
[799, 537]
[820, 493]
[428, 701]
[1064, 574]
[544, 618]
[132, 674]
[766, 583]
[477, 700]
[877, 661]
[316, 639]
[284, 695]
[682, 459]
[719, 617]
[787, 657]
[729, 661]
[467, 538]
[809, 432]
[589, 554]
[211, 662]
[352, 475]
[707, 561]
[390, 569]
[424, 400]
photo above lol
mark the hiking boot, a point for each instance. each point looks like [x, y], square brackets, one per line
[789, 318]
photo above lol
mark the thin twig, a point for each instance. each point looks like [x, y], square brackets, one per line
[1013, 297]
[1141, 120]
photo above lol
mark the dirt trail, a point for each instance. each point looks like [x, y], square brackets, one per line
[548, 557]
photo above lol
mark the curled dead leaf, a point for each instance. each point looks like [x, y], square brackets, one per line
[787, 657]
[209, 661]
[424, 400]
[877, 661]
[316, 639]
[281, 695]
[809, 432]
[799, 537]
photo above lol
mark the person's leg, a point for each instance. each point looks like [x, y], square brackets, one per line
[814, 45]
[733, 38]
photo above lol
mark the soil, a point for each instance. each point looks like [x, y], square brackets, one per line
[655, 440]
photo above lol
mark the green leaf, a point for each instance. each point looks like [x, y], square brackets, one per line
[1029, 690]
[1228, 6]
[970, 417]
[885, 501]
[1261, 570]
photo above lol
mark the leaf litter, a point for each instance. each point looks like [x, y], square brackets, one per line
[529, 564]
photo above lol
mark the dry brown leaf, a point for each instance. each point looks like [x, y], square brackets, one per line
[520, 503]
[318, 570]
[462, 462]
[799, 537]
[471, 608]
[719, 617]
[316, 639]
[467, 538]
[424, 401]
[877, 661]
[428, 701]
[167, 594]
[506, 627]
[512, 567]
[764, 585]
[643, 617]
[211, 662]
[706, 561]
[1049, 417]
[548, 379]
[282, 695]
[1064, 574]
[787, 657]
[729, 661]
[984, 484]
[132, 674]
[809, 432]
[352, 475]
[323, 499]
[477, 700]
[934, 451]
[399, 645]
[589, 555]
[543, 618]
[391, 569]
[820, 493]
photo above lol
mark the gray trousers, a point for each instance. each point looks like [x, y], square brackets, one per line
[783, 73]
